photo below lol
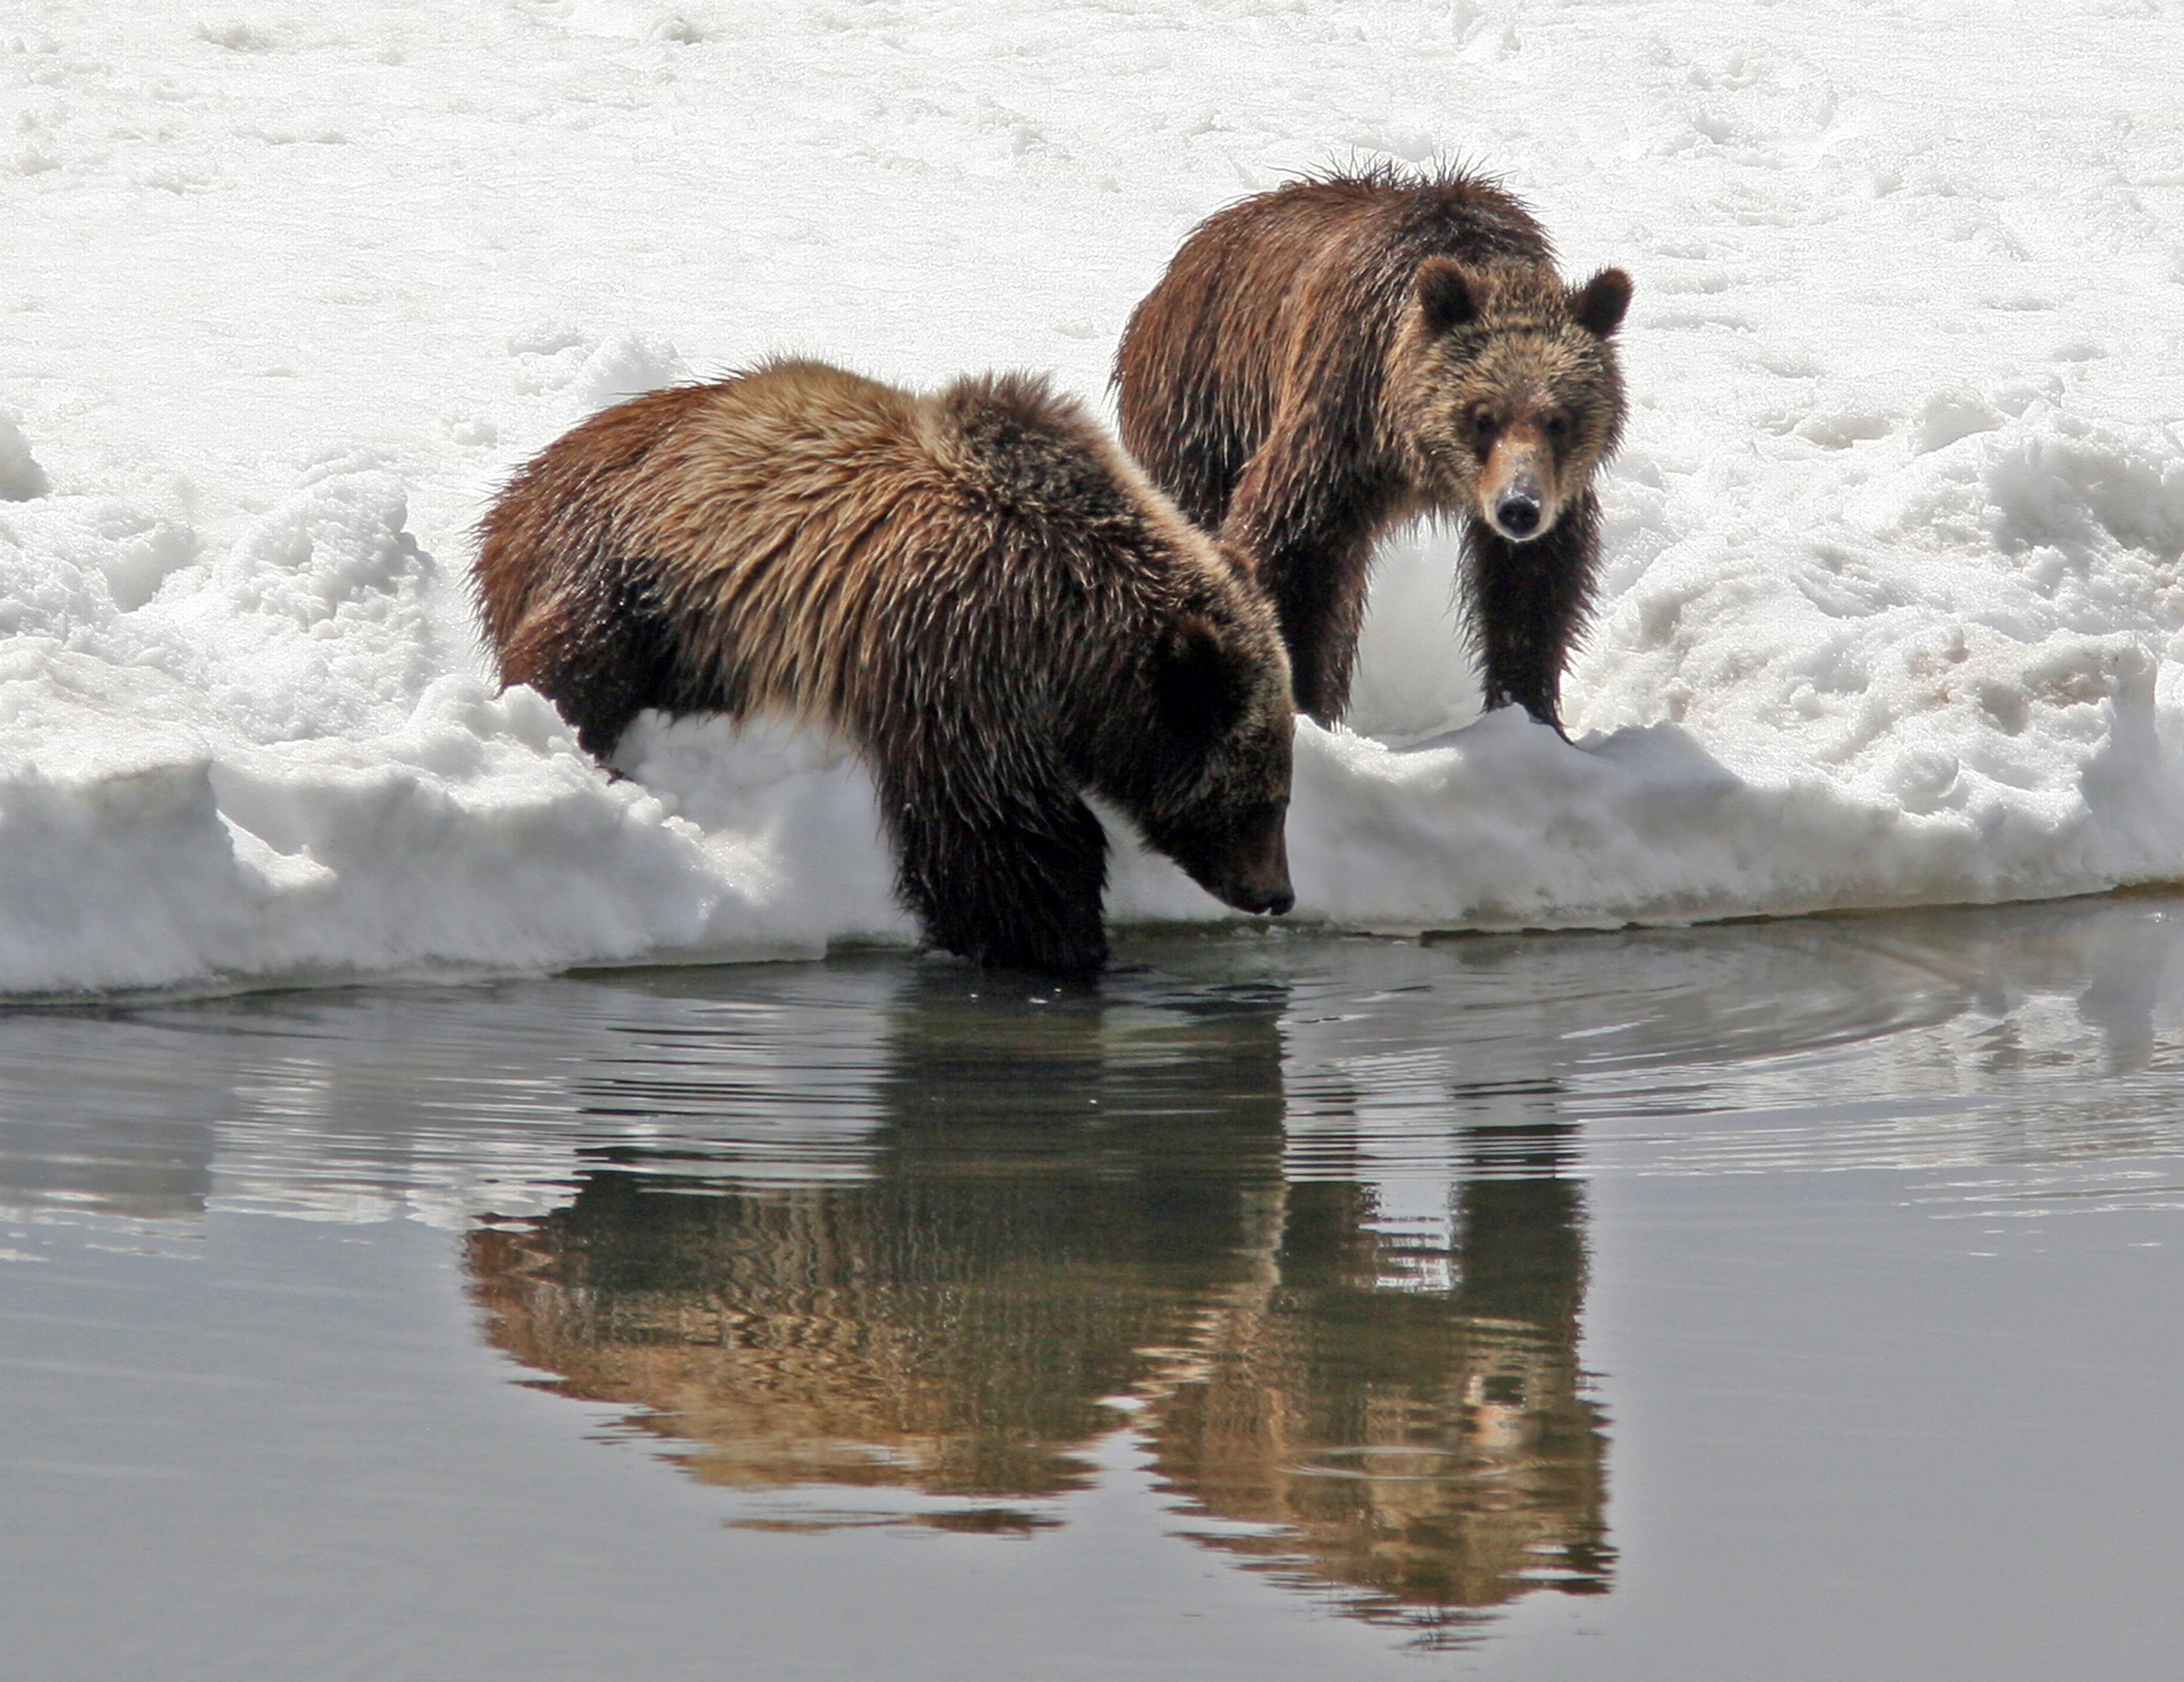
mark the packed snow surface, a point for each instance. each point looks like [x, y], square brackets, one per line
[1894, 601]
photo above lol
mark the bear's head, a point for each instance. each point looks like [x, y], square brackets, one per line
[1170, 684]
[1200, 756]
[1503, 389]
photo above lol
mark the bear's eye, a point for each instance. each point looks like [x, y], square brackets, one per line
[1483, 423]
[1558, 428]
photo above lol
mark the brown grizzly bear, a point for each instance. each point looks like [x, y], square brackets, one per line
[976, 588]
[1327, 359]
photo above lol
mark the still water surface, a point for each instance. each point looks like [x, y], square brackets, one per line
[1789, 1300]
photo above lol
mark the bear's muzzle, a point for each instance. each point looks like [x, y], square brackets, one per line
[1259, 882]
[1516, 496]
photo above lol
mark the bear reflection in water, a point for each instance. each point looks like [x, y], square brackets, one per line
[1085, 1210]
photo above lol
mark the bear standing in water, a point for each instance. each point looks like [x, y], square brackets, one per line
[1325, 360]
[976, 588]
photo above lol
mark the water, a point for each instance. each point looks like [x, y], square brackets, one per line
[1786, 1299]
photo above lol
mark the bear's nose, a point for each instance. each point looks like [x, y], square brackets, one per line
[1517, 516]
[1280, 903]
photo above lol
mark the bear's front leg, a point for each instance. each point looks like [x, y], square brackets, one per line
[1528, 603]
[1016, 885]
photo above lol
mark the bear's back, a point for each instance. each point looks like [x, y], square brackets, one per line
[830, 544]
[1292, 297]
[1355, 225]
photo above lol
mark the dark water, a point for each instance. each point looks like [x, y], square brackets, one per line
[1793, 1300]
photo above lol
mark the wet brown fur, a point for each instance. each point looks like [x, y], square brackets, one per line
[975, 588]
[1314, 369]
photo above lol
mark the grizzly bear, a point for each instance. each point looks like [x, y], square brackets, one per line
[1327, 359]
[975, 588]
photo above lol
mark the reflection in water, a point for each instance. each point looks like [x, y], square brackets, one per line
[1433, 1450]
[1299, 1221]
[1075, 1212]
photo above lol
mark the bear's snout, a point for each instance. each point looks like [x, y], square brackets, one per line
[1517, 514]
[1512, 493]
[1260, 883]
[1261, 901]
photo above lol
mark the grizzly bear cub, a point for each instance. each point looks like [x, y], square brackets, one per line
[976, 588]
[1327, 359]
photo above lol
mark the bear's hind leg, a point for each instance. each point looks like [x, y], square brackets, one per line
[1310, 534]
[601, 652]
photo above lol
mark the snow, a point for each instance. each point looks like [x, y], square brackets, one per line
[1894, 603]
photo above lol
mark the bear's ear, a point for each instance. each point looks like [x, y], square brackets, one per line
[1599, 303]
[1446, 293]
[1196, 678]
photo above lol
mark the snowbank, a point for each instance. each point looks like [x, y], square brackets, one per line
[1893, 612]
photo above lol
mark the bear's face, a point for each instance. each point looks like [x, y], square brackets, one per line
[1504, 392]
[1209, 782]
